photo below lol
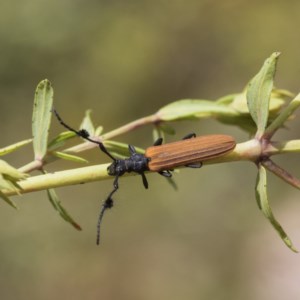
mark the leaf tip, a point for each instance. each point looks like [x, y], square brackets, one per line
[77, 226]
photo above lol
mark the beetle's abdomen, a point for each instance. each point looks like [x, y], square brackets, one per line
[184, 152]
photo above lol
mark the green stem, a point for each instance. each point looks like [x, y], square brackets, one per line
[61, 178]
[152, 119]
[274, 148]
[247, 151]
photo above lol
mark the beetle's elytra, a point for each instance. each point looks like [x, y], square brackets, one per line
[188, 151]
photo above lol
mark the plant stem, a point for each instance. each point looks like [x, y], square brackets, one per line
[152, 119]
[274, 148]
[61, 178]
[247, 151]
[281, 173]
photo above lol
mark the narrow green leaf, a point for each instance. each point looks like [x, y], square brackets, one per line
[227, 99]
[276, 103]
[14, 147]
[157, 133]
[10, 171]
[9, 177]
[263, 204]
[87, 123]
[167, 129]
[53, 198]
[259, 92]
[41, 118]
[8, 201]
[7, 183]
[98, 130]
[68, 156]
[282, 117]
[60, 140]
[8, 180]
[120, 150]
[193, 109]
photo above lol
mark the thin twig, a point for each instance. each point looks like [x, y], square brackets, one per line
[281, 173]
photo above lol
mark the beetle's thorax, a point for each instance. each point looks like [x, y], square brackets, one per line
[135, 163]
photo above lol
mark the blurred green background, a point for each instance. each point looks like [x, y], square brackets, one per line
[125, 60]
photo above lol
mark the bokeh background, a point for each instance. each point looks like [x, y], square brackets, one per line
[125, 60]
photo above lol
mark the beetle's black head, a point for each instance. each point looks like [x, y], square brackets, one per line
[112, 169]
[117, 168]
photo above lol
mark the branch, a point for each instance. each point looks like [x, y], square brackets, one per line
[247, 151]
[61, 178]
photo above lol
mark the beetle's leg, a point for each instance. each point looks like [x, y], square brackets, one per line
[189, 136]
[131, 149]
[158, 142]
[108, 203]
[145, 181]
[165, 173]
[194, 165]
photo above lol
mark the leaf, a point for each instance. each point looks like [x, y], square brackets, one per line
[158, 133]
[41, 118]
[68, 156]
[11, 172]
[7, 200]
[259, 91]
[60, 140]
[193, 109]
[282, 117]
[239, 103]
[167, 128]
[8, 180]
[98, 130]
[14, 147]
[120, 150]
[227, 99]
[263, 204]
[53, 198]
[87, 123]
[6, 183]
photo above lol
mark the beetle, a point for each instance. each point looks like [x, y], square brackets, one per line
[191, 151]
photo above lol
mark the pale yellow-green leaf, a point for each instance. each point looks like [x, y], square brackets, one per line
[259, 92]
[6, 183]
[87, 123]
[239, 103]
[193, 109]
[10, 171]
[60, 140]
[98, 130]
[263, 203]
[166, 128]
[41, 118]
[7, 200]
[120, 150]
[157, 133]
[68, 156]
[56, 203]
[14, 147]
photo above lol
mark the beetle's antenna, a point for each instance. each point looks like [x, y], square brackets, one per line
[108, 203]
[82, 133]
